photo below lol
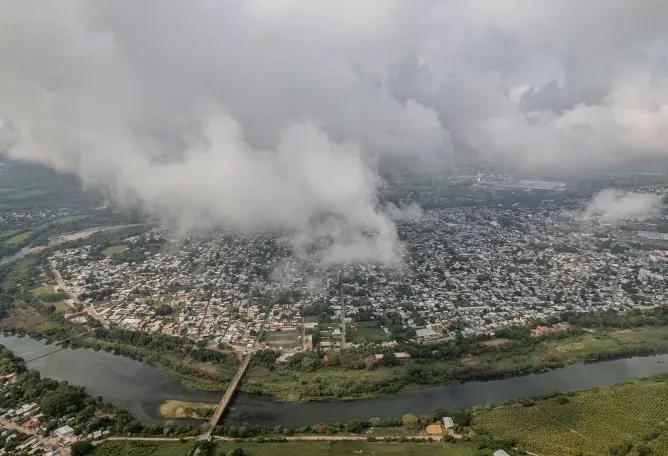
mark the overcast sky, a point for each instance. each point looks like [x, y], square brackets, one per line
[272, 114]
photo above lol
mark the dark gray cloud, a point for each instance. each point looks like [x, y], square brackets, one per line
[272, 114]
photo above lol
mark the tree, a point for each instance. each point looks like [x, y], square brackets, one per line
[82, 449]
[461, 417]
[244, 431]
[409, 421]
[357, 426]
[206, 448]
[61, 401]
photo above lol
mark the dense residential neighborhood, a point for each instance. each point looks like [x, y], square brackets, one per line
[468, 270]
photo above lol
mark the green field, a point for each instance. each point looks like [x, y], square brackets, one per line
[114, 250]
[132, 448]
[590, 423]
[70, 219]
[366, 332]
[19, 238]
[283, 339]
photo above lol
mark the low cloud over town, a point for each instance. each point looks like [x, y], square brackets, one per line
[272, 116]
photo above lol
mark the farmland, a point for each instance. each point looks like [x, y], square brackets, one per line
[629, 418]
[349, 448]
[315, 448]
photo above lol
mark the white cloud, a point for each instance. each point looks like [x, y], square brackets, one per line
[272, 115]
[613, 204]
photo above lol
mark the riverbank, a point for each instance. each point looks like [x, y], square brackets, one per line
[141, 388]
[483, 362]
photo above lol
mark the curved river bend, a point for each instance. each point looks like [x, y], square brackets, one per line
[140, 388]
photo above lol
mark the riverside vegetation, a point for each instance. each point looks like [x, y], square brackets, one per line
[345, 374]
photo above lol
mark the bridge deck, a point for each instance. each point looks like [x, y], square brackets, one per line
[224, 401]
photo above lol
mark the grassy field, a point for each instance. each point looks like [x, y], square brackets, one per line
[366, 333]
[590, 423]
[324, 383]
[19, 238]
[347, 448]
[114, 250]
[284, 339]
[27, 319]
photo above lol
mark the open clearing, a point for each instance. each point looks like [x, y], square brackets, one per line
[19, 238]
[25, 318]
[282, 339]
[366, 333]
[114, 250]
[497, 342]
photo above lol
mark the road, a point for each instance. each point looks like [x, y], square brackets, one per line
[225, 400]
[73, 296]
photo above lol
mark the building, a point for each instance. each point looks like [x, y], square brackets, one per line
[64, 432]
[402, 356]
[500, 453]
[448, 422]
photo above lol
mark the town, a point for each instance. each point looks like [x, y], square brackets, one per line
[468, 270]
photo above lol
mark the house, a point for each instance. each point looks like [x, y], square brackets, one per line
[402, 356]
[500, 453]
[64, 432]
[32, 423]
[426, 334]
[448, 422]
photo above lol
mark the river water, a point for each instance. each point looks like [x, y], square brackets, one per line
[140, 388]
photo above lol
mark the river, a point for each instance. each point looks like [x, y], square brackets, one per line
[141, 388]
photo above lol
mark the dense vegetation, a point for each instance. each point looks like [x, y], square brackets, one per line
[626, 419]
[291, 448]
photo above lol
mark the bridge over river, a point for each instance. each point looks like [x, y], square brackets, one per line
[225, 400]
